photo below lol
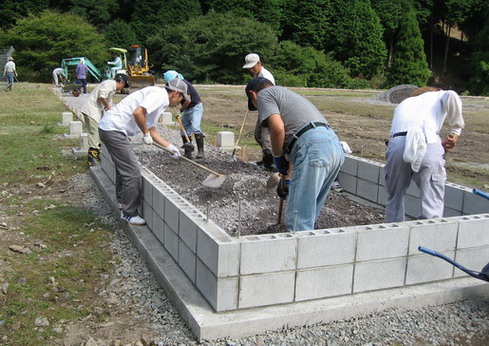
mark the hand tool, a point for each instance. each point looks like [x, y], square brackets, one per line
[240, 132]
[483, 274]
[281, 205]
[214, 180]
[188, 145]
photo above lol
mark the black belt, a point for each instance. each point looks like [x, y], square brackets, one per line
[398, 134]
[306, 128]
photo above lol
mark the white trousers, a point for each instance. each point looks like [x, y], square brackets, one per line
[430, 180]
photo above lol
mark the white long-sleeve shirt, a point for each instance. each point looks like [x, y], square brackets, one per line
[429, 111]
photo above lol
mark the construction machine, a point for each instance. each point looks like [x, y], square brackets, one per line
[136, 65]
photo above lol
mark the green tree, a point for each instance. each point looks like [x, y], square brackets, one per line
[150, 15]
[409, 64]
[307, 67]
[355, 37]
[120, 34]
[212, 48]
[41, 42]
[390, 14]
[479, 81]
[13, 10]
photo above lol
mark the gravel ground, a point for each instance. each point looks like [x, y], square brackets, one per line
[135, 289]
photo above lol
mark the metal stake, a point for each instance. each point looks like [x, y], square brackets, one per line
[207, 212]
[295, 221]
[239, 215]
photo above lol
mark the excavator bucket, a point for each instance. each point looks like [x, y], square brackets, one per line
[139, 82]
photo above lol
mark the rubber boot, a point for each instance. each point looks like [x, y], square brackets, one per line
[199, 138]
[187, 151]
[93, 156]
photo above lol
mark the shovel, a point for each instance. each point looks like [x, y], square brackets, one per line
[213, 180]
[482, 275]
[186, 146]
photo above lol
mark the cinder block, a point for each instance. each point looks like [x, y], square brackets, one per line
[369, 171]
[221, 293]
[380, 274]
[171, 214]
[448, 212]
[76, 128]
[453, 196]
[268, 254]
[474, 259]
[437, 234]
[187, 261]
[222, 258]
[158, 228]
[318, 249]
[473, 231]
[266, 289]
[382, 177]
[426, 268]
[84, 142]
[367, 189]
[170, 241]
[350, 166]
[158, 202]
[413, 190]
[474, 204]
[348, 182]
[166, 118]
[147, 213]
[147, 190]
[382, 195]
[382, 241]
[225, 139]
[66, 118]
[412, 206]
[188, 230]
[324, 282]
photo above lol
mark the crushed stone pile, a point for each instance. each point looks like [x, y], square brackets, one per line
[396, 94]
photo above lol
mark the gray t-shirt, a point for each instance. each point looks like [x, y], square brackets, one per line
[295, 110]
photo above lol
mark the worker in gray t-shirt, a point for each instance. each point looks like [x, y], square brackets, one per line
[303, 146]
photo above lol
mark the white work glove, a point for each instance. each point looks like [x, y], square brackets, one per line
[147, 139]
[174, 150]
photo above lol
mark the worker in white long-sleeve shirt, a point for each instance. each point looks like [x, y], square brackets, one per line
[415, 150]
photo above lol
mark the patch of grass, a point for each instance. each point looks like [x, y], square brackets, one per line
[57, 279]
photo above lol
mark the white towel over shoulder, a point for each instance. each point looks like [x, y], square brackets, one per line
[415, 148]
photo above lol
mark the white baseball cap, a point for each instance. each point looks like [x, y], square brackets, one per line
[251, 60]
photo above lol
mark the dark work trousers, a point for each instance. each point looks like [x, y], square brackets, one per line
[128, 173]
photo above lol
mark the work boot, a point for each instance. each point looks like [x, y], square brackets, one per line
[199, 138]
[93, 156]
[186, 148]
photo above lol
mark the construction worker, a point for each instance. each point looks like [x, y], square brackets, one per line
[192, 111]
[58, 76]
[262, 135]
[81, 74]
[303, 145]
[416, 152]
[137, 113]
[11, 72]
[116, 64]
[99, 100]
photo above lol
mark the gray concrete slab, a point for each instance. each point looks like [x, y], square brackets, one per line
[208, 325]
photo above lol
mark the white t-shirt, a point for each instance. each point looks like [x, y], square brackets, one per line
[10, 66]
[428, 111]
[93, 107]
[266, 74]
[120, 118]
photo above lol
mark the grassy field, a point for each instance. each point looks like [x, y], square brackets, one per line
[67, 245]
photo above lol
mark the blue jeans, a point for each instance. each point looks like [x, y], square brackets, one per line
[316, 158]
[191, 119]
[10, 78]
[83, 85]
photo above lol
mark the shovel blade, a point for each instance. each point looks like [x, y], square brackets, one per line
[214, 181]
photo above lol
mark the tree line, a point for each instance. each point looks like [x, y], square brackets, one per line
[313, 43]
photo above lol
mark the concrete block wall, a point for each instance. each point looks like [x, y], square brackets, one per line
[252, 271]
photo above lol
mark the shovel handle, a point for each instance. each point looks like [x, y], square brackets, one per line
[183, 128]
[240, 132]
[188, 160]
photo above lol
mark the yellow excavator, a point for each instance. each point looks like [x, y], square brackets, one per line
[134, 62]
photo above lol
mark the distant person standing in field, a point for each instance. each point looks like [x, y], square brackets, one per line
[262, 133]
[11, 72]
[416, 152]
[81, 74]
